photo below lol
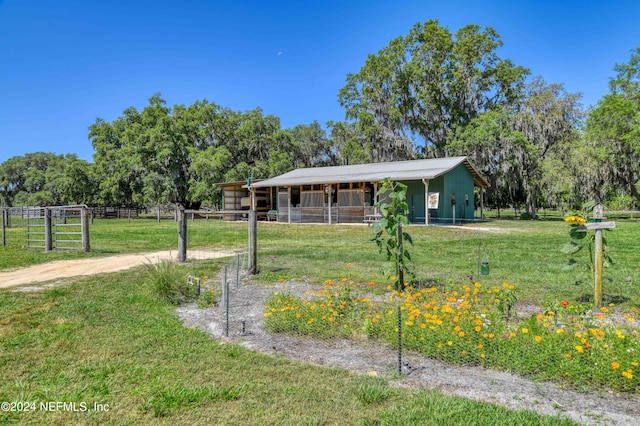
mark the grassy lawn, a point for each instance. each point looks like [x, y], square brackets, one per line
[109, 340]
[119, 236]
[523, 253]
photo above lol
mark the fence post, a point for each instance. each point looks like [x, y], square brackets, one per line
[48, 240]
[237, 271]
[225, 287]
[84, 223]
[253, 235]
[399, 341]
[182, 235]
[400, 258]
[4, 226]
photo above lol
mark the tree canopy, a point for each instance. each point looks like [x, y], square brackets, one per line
[429, 93]
[427, 84]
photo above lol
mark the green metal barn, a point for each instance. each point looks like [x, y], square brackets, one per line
[439, 191]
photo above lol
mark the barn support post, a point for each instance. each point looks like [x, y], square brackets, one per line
[375, 198]
[426, 201]
[48, 240]
[84, 223]
[253, 237]
[182, 235]
[329, 199]
[289, 204]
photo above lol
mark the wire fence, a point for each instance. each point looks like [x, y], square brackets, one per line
[315, 290]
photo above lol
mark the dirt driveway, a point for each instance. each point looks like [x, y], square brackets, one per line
[97, 265]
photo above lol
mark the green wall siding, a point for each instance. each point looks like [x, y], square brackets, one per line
[457, 181]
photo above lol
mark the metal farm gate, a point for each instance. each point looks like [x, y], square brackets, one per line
[67, 228]
[64, 227]
[36, 229]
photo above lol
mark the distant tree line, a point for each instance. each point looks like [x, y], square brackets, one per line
[429, 94]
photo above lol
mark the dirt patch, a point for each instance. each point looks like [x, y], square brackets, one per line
[98, 265]
[246, 328]
[489, 229]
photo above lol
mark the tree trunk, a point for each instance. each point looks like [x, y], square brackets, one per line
[531, 204]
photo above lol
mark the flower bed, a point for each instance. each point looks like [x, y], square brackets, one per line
[473, 324]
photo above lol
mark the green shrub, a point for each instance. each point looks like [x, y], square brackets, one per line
[525, 216]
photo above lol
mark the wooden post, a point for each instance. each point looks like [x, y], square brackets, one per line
[48, 240]
[598, 259]
[84, 223]
[182, 235]
[253, 236]
[597, 266]
[4, 226]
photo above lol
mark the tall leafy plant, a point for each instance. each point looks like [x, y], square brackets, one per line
[388, 233]
[580, 240]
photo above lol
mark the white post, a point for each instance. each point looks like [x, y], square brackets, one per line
[289, 204]
[330, 200]
[426, 201]
[375, 198]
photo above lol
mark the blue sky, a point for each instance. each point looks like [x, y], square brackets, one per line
[65, 63]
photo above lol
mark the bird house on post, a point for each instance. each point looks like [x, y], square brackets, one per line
[598, 212]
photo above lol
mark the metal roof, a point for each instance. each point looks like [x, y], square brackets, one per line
[374, 172]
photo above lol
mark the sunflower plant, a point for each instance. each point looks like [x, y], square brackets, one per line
[582, 241]
[388, 234]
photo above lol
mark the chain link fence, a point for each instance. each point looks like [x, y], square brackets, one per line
[333, 316]
[349, 325]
